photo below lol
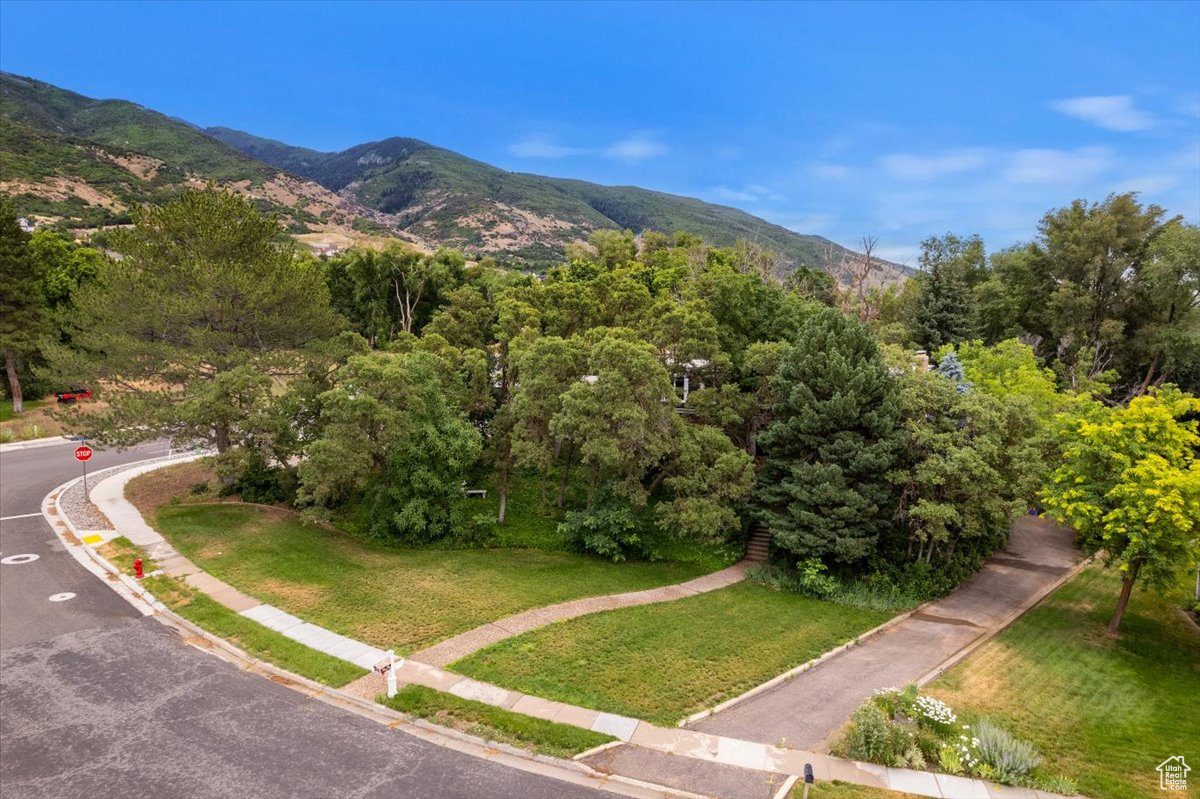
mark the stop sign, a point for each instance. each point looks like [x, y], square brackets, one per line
[83, 453]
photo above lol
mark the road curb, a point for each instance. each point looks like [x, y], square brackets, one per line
[34, 443]
[1020, 611]
[134, 593]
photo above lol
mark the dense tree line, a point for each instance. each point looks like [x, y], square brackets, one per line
[649, 382]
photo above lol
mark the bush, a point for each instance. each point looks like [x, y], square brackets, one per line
[870, 738]
[1011, 757]
[874, 592]
[609, 531]
[812, 579]
[260, 483]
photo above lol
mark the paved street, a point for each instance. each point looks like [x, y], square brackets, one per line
[97, 701]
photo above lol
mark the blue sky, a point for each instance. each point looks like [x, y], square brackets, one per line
[894, 120]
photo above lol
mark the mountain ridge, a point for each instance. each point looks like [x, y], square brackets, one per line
[83, 162]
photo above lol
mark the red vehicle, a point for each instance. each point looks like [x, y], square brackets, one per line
[71, 395]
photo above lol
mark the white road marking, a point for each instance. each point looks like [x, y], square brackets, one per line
[63, 597]
[16, 560]
[22, 516]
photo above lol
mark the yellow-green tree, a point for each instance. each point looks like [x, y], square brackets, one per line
[1130, 486]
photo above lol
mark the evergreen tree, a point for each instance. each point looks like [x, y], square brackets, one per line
[945, 308]
[20, 300]
[951, 368]
[835, 434]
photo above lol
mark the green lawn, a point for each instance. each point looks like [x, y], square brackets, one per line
[844, 790]
[663, 662]
[250, 636]
[493, 723]
[389, 597]
[1104, 712]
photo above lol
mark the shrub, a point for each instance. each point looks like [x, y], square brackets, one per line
[870, 738]
[1010, 757]
[609, 531]
[934, 715]
[812, 579]
[950, 758]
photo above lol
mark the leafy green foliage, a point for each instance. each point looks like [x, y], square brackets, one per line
[189, 327]
[1130, 486]
[835, 435]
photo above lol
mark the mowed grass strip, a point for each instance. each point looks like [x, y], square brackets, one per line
[666, 661]
[493, 723]
[386, 596]
[250, 636]
[845, 790]
[1105, 712]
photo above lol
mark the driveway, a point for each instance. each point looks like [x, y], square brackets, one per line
[805, 711]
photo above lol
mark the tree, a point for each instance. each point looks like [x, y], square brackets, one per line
[21, 314]
[466, 320]
[945, 312]
[950, 479]
[188, 330]
[707, 477]
[547, 367]
[824, 491]
[390, 434]
[1130, 486]
[618, 418]
[1166, 309]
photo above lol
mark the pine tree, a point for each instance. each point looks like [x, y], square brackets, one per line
[945, 309]
[835, 434]
[20, 302]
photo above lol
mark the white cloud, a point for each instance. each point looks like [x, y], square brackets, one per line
[1148, 184]
[540, 146]
[831, 172]
[635, 148]
[909, 166]
[750, 193]
[1070, 167]
[1115, 112]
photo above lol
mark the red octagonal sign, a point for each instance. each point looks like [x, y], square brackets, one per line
[83, 453]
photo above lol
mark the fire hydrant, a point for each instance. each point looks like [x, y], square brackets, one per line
[137, 569]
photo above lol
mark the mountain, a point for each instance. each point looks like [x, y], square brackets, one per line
[81, 162]
[441, 196]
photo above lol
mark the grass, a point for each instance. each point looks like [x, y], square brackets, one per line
[35, 422]
[259, 641]
[845, 790]
[532, 521]
[1104, 712]
[388, 597]
[663, 662]
[493, 723]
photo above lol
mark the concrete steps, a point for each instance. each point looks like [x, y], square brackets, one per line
[759, 546]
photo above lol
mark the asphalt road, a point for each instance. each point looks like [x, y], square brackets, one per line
[97, 701]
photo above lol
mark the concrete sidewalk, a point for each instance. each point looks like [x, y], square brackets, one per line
[452, 649]
[808, 709]
[752, 753]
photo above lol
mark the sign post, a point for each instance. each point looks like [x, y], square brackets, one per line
[82, 453]
[391, 675]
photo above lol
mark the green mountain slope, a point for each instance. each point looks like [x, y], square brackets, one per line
[454, 200]
[82, 163]
[124, 125]
[79, 162]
